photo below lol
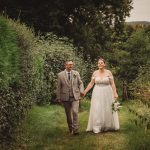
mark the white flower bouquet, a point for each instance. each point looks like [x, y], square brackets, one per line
[116, 106]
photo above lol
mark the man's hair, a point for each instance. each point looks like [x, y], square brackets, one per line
[68, 61]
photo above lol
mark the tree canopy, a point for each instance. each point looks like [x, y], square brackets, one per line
[58, 14]
[88, 22]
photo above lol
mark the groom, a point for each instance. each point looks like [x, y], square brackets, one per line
[69, 89]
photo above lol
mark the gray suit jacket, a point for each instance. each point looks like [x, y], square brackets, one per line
[62, 91]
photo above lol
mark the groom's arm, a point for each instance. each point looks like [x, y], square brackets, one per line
[81, 86]
[58, 87]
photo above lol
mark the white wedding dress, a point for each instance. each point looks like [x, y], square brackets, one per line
[101, 117]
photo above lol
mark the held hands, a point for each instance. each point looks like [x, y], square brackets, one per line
[83, 94]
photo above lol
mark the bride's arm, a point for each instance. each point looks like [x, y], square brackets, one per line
[90, 85]
[113, 85]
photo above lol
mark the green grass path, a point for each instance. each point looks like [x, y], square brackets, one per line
[45, 129]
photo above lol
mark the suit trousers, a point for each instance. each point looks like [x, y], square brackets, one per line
[72, 109]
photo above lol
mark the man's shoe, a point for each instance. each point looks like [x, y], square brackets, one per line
[75, 133]
[71, 132]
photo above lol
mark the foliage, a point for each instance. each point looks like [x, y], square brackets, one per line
[89, 23]
[10, 74]
[9, 56]
[16, 77]
[110, 12]
[56, 52]
[141, 85]
[31, 74]
[14, 106]
[139, 48]
[137, 72]
[141, 113]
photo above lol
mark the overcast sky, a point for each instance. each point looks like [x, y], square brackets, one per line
[140, 11]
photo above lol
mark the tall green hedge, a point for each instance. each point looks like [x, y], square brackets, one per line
[17, 44]
[9, 55]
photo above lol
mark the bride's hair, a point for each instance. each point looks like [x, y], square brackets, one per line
[101, 58]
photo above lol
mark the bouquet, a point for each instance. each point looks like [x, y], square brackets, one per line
[116, 106]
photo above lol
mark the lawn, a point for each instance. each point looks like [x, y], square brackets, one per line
[45, 128]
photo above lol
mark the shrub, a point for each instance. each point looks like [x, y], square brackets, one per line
[57, 51]
[16, 74]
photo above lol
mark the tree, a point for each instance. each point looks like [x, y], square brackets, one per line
[137, 50]
[88, 22]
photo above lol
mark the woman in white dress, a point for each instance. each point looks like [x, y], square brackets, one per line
[102, 117]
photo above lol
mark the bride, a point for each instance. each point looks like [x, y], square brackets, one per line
[102, 117]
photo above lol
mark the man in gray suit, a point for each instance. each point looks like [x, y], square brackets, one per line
[69, 89]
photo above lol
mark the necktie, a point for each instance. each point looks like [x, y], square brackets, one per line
[68, 75]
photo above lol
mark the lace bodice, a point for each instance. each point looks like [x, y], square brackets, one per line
[104, 81]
